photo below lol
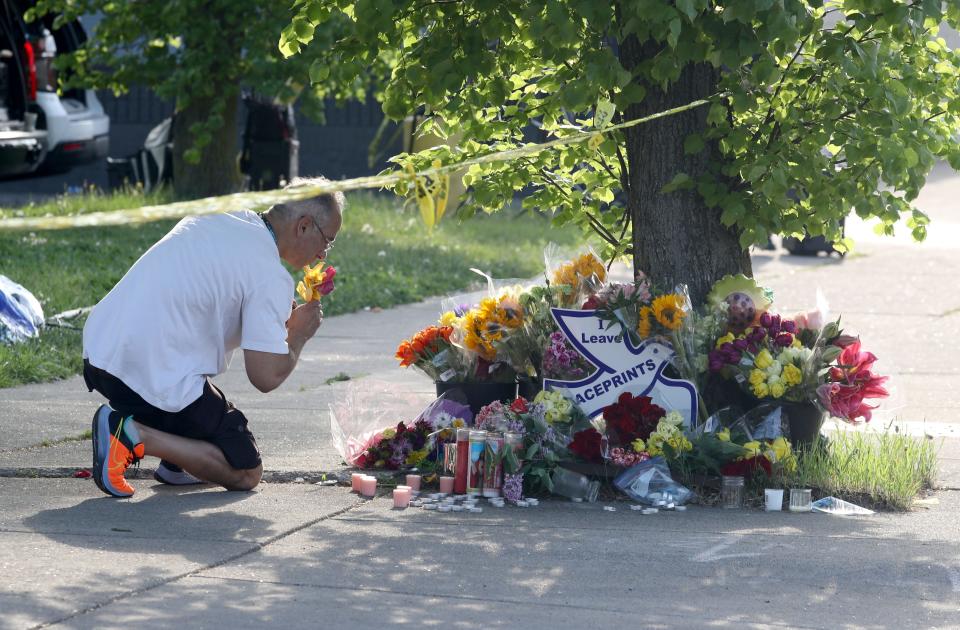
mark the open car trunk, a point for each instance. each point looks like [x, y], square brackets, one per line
[21, 145]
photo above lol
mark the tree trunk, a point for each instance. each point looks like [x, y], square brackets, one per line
[218, 172]
[677, 239]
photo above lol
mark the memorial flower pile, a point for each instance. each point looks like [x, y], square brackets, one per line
[733, 363]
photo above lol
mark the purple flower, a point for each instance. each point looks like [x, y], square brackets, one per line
[740, 344]
[784, 339]
[461, 310]
[561, 360]
[789, 326]
[766, 320]
[774, 326]
[513, 487]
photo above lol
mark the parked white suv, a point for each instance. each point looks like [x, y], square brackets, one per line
[77, 127]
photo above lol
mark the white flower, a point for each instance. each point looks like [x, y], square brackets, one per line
[674, 418]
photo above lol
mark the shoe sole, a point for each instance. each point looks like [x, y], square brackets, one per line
[101, 444]
[158, 477]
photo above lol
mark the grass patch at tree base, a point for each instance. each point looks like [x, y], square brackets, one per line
[879, 471]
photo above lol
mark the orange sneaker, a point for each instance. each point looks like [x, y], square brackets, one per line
[116, 445]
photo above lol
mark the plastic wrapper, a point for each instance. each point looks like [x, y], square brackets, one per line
[489, 333]
[839, 507]
[365, 409]
[579, 276]
[21, 315]
[650, 482]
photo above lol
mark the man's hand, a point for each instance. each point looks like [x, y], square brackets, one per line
[303, 323]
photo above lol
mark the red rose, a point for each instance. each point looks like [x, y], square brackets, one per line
[519, 405]
[587, 445]
[747, 468]
[591, 303]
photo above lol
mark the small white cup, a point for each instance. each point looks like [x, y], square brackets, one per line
[774, 499]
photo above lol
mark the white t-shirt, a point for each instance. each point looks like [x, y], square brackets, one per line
[213, 284]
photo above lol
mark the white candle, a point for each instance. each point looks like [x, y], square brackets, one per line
[368, 486]
[355, 481]
[413, 481]
[401, 497]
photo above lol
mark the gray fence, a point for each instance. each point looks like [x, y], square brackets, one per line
[336, 149]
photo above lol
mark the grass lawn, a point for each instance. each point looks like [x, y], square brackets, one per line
[384, 257]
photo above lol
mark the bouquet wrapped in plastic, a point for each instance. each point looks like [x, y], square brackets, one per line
[577, 278]
[366, 434]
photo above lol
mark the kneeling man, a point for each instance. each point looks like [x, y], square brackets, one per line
[213, 284]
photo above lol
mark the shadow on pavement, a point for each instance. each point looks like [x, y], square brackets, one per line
[193, 513]
[547, 568]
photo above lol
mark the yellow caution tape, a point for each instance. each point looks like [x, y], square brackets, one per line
[432, 198]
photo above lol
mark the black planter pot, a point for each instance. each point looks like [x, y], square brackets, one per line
[477, 395]
[529, 388]
[803, 421]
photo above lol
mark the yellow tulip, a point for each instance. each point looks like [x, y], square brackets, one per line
[751, 449]
[764, 359]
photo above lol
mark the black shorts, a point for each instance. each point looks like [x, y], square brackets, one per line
[211, 418]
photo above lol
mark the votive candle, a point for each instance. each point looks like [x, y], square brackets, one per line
[355, 481]
[401, 497]
[368, 485]
[446, 485]
[413, 481]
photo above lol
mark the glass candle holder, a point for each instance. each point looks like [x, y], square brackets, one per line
[731, 492]
[801, 500]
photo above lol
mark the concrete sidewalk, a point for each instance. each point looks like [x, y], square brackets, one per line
[303, 555]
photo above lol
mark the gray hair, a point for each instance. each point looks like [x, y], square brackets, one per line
[321, 206]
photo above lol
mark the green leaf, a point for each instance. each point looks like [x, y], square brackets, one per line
[674, 35]
[319, 72]
[693, 144]
[681, 181]
[687, 8]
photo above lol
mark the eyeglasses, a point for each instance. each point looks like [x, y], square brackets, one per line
[326, 239]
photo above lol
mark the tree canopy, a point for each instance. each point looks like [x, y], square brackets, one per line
[817, 107]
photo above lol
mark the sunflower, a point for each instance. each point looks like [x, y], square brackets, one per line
[509, 312]
[668, 309]
[643, 325]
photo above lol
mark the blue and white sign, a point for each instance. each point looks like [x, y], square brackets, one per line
[622, 367]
